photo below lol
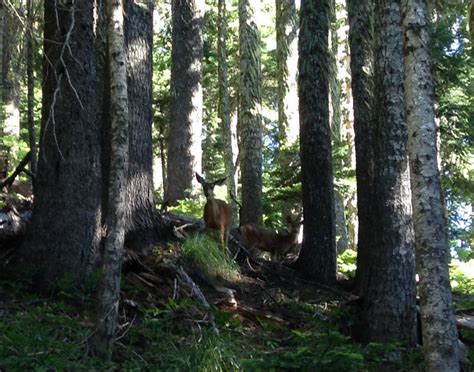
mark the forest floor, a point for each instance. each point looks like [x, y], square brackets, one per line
[172, 317]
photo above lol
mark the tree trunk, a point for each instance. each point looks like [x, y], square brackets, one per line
[224, 108]
[116, 214]
[389, 308]
[64, 235]
[361, 39]
[140, 201]
[31, 85]
[10, 125]
[318, 252]
[440, 339]
[184, 146]
[250, 116]
[287, 66]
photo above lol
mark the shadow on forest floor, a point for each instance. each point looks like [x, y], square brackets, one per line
[265, 318]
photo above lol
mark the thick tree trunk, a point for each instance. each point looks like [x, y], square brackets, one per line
[115, 218]
[318, 252]
[184, 145]
[224, 108]
[361, 41]
[389, 308]
[250, 116]
[440, 340]
[140, 201]
[64, 236]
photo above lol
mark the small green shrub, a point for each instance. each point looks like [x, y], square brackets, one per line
[462, 276]
[189, 207]
[347, 262]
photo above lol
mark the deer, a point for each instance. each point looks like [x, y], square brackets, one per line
[217, 213]
[278, 244]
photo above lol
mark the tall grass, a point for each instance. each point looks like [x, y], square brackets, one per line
[203, 253]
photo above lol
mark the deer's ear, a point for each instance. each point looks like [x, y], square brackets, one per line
[199, 178]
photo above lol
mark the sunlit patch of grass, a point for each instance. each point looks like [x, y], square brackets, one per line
[203, 253]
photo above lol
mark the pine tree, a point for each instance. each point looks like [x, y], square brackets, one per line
[184, 144]
[250, 116]
[318, 252]
[109, 294]
[361, 40]
[389, 308]
[64, 235]
[440, 340]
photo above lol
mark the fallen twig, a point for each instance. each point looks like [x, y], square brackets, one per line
[196, 291]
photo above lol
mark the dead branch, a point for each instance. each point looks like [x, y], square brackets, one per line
[196, 291]
[20, 168]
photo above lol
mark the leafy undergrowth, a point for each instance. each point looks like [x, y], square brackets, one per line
[267, 319]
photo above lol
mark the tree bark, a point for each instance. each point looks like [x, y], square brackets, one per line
[440, 339]
[140, 200]
[224, 108]
[361, 41]
[318, 252]
[184, 144]
[115, 218]
[389, 308]
[250, 116]
[67, 188]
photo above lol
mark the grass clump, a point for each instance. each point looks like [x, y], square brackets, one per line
[214, 263]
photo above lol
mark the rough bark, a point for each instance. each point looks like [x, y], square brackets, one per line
[224, 108]
[140, 200]
[184, 144]
[361, 41]
[115, 218]
[67, 188]
[389, 308]
[440, 339]
[250, 116]
[30, 86]
[318, 252]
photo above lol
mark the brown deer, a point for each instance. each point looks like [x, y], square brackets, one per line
[278, 244]
[217, 213]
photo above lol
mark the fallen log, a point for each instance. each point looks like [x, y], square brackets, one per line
[465, 321]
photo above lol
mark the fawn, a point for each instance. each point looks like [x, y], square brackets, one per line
[278, 244]
[217, 213]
